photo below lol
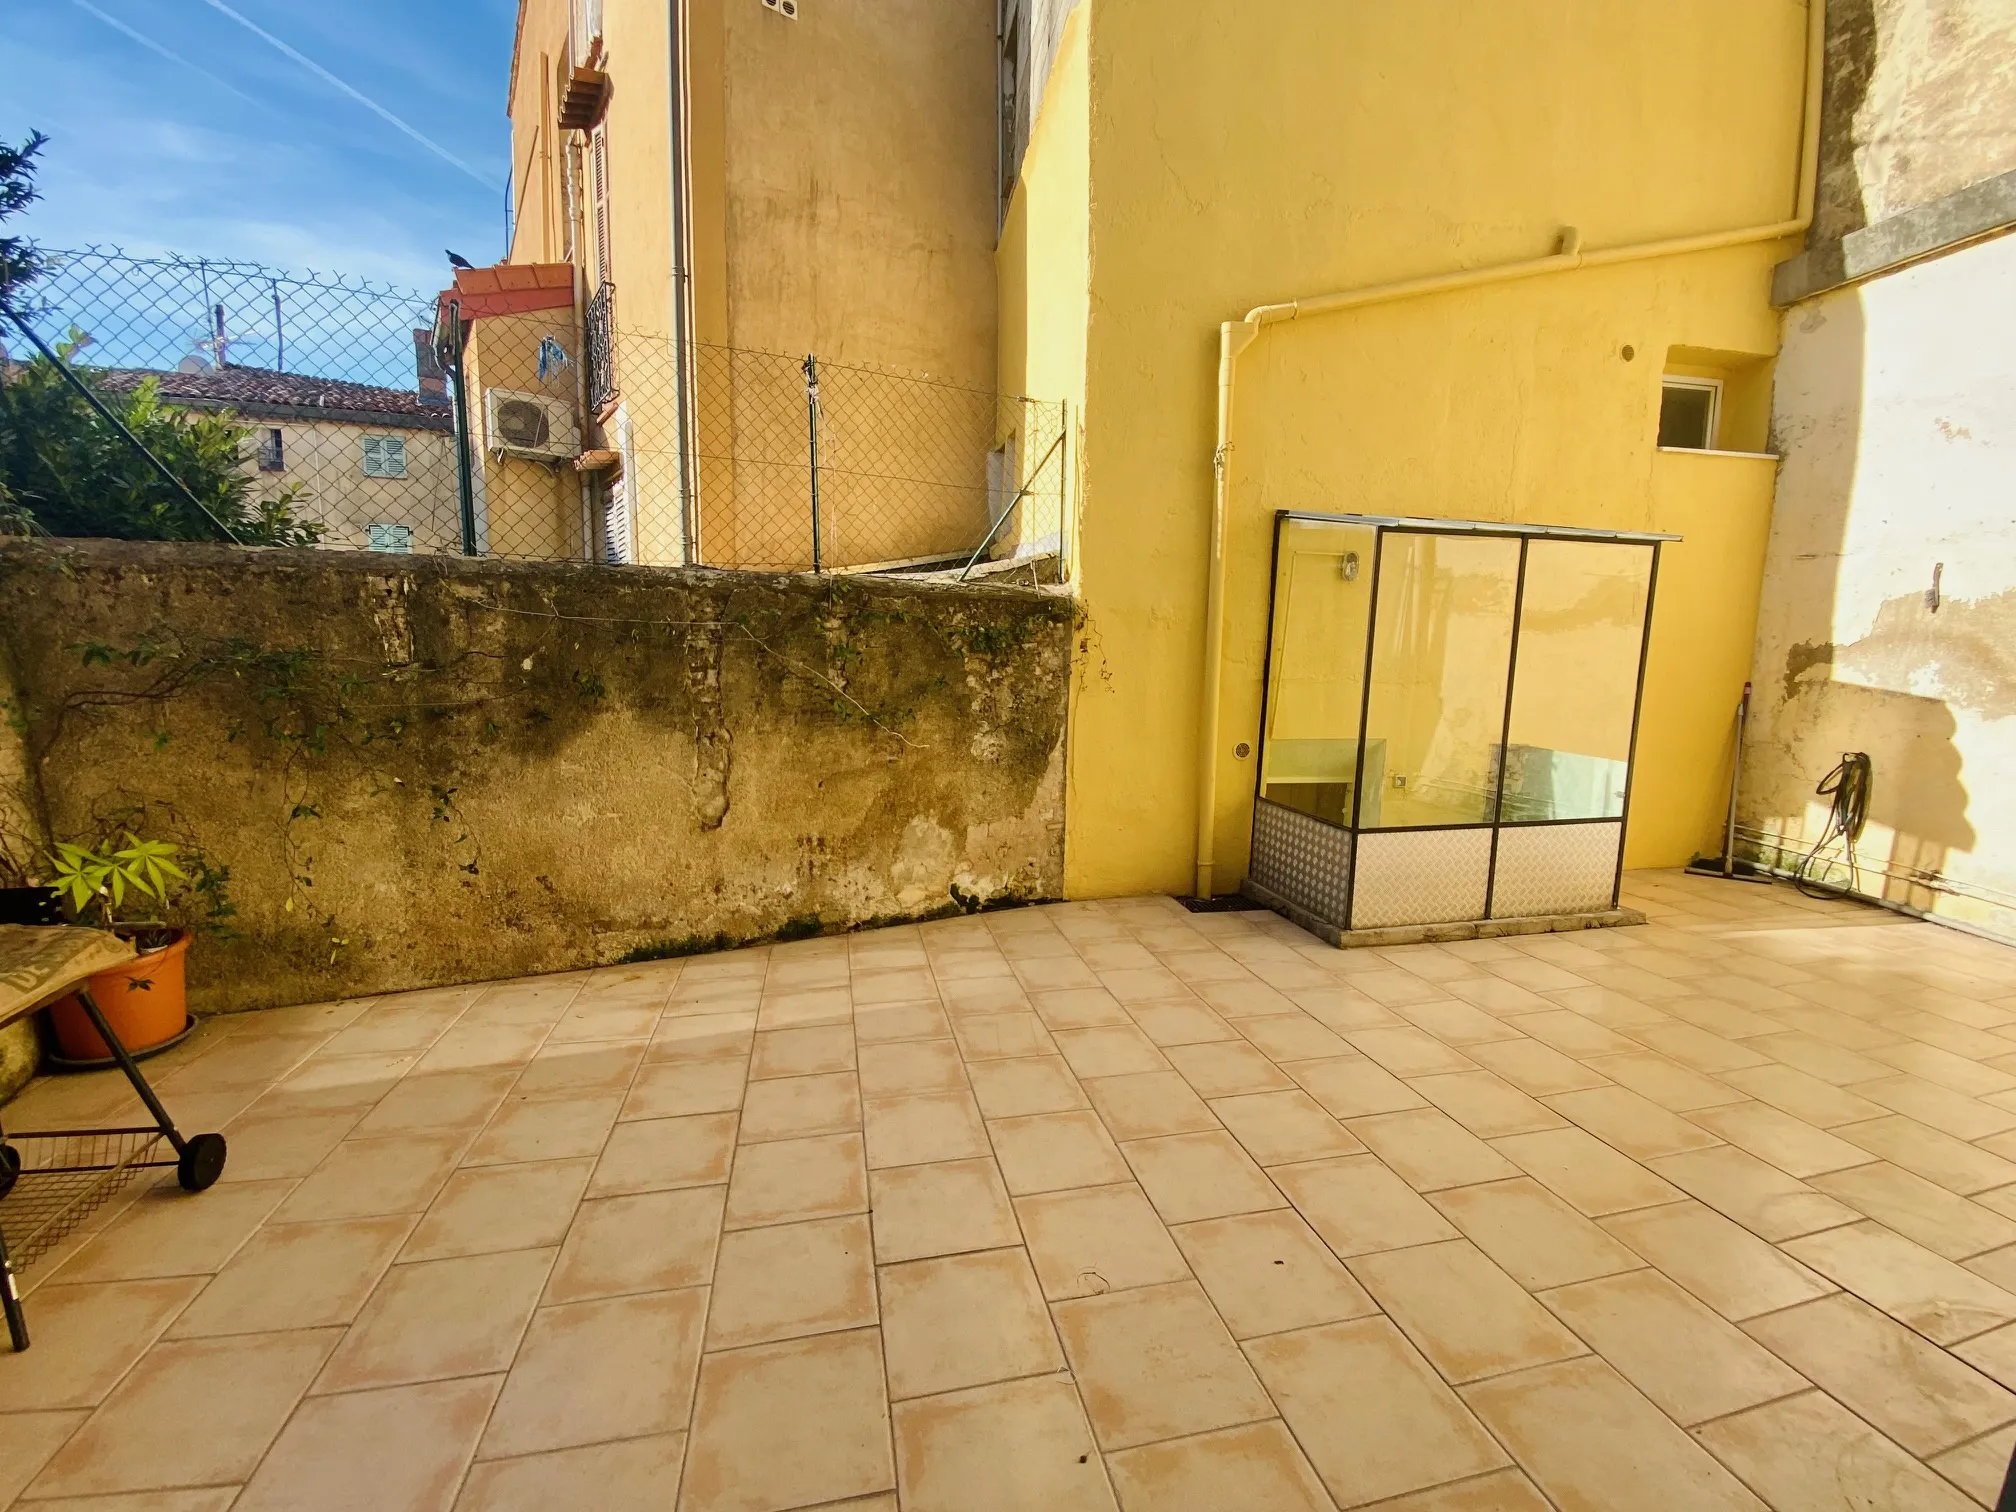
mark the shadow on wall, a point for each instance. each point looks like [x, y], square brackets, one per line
[1818, 699]
[1918, 793]
[1841, 205]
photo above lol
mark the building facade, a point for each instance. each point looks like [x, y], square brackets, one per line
[737, 184]
[1610, 184]
[1505, 269]
[374, 467]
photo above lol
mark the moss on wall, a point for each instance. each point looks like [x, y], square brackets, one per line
[393, 773]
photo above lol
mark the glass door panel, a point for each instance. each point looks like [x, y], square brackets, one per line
[1316, 667]
[1441, 653]
[1575, 687]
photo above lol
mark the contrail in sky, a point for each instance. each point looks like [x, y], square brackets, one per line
[155, 47]
[356, 94]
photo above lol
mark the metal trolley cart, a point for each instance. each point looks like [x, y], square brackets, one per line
[52, 1180]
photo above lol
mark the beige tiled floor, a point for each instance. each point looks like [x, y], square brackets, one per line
[1089, 1206]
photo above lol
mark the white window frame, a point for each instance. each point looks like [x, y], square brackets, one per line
[385, 446]
[1713, 388]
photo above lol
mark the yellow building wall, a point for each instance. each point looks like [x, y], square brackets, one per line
[1241, 155]
[524, 506]
[551, 184]
[538, 225]
[859, 174]
[1043, 264]
[841, 193]
[643, 265]
[638, 126]
[843, 205]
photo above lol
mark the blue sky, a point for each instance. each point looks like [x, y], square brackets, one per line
[238, 150]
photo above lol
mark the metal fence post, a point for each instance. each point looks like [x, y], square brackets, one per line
[812, 435]
[464, 481]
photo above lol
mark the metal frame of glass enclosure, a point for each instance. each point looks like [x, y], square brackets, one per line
[1449, 719]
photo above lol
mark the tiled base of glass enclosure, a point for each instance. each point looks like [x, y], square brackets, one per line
[1434, 885]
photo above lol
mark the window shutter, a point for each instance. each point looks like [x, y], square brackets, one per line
[598, 169]
[384, 456]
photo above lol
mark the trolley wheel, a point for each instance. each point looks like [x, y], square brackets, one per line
[10, 1168]
[202, 1163]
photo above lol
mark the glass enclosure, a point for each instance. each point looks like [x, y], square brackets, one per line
[1449, 719]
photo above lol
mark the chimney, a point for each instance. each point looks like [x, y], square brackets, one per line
[431, 381]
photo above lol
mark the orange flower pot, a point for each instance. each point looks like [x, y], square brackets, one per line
[145, 1000]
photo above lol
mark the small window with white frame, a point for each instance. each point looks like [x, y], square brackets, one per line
[384, 456]
[393, 538]
[1690, 413]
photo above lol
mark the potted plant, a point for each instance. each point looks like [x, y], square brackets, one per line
[145, 1000]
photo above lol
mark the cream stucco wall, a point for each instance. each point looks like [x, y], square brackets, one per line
[1896, 409]
[1239, 155]
[1893, 409]
[325, 461]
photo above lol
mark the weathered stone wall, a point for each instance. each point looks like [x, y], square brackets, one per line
[426, 770]
[1920, 101]
[1889, 606]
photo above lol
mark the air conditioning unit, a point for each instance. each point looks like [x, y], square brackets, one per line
[530, 425]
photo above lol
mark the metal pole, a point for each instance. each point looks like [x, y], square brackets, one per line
[812, 433]
[685, 357]
[1013, 504]
[464, 482]
[203, 269]
[10, 1302]
[133, 1073]
[119, 425]
[279, 333]
[1735, 776]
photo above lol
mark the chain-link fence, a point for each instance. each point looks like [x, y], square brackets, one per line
[346, 416]
[801, 463]
[566, 436]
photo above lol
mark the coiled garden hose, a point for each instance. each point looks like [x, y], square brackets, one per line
[1848, 784]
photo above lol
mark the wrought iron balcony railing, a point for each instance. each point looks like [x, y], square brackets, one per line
[599, 346]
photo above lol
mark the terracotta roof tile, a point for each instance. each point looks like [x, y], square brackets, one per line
[262, 392]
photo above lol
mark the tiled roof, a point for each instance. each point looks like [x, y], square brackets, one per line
[263, 393]
[511, 289]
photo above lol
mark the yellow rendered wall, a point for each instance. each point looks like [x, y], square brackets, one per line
[638, 126]
[859, 150]
[1243, 154]
[524, 507]
[841, 172]
[643, 267]
[1043, 262]
[843, 206]
[538, 226]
